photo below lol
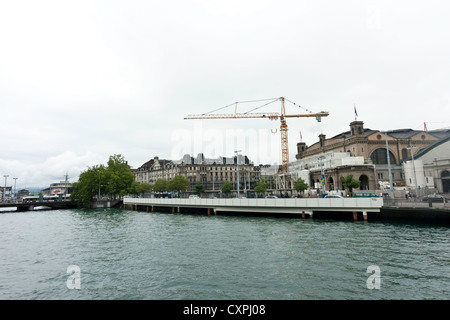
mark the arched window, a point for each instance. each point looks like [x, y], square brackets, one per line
[379, 156]
[330, 183]
[363, 182]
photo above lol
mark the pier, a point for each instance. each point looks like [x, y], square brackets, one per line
[30, 206]
[301, 207]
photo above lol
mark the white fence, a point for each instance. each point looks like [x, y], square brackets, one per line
[289, 205]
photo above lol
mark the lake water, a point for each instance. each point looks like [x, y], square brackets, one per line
[123, 254]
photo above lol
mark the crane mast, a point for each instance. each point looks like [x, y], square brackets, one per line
[284, 137]
[267, 115]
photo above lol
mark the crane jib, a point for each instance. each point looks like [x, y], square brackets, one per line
[268, 115]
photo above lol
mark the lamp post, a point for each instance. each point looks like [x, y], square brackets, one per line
[414, 168]
[322, 174]
[4, 191]
[15, 182]
[237, 171]
[391, 186]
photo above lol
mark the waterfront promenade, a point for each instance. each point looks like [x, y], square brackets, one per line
[358, 209]
[290, 206]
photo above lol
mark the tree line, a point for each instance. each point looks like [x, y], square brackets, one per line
[115, 179]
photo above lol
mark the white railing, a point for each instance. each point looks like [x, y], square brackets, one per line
[276, 205]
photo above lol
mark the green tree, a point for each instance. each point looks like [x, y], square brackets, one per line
[90, 183]
[227, 187]
[300, 185]
[119, 177]
[350, 183]
[179, 184]
[140, 188]
[261, 186]
[199, 188]
[161, 185]
[115, 179]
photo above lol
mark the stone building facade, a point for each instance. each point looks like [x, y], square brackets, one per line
[371, 146]
[211, 172]
[430, 169]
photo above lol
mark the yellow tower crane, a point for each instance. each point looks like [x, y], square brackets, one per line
[268, 115]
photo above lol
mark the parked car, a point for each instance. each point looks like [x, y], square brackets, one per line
[271, 197]
[194, 196]
[434, 198]
[333, 196]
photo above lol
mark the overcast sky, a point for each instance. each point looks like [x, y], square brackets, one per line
[83, 80]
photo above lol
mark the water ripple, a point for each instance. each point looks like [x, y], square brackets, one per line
[135, 255]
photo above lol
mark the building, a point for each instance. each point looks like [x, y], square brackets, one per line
[5, 193]
[211, 172]
[62, 187]
[22, 193]
[429, 168]
[371, 146]
[324, 171]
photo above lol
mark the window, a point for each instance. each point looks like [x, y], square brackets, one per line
[379, 156]
[380, 175]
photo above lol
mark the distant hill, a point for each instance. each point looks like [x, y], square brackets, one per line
[32, 190]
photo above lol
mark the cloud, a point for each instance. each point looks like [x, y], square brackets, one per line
[51, 170]
[82, 81]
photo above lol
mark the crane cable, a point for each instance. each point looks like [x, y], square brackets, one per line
[298, 105]
[260, 100]
[247, 101]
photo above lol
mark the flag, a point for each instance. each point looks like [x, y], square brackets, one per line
[300, 135]
[356, 113]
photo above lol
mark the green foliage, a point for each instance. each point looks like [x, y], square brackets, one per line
[261, 186]
[300, 185]
[199, 188]
[227, 187]
[140, 188]
[179, 184]
[350, 183]
[118, 176]
[115, 179]
[88, 186]
[161, 185]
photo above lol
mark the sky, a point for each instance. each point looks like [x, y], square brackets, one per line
[83, 80]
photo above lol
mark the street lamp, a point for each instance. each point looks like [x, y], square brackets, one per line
[15, 181]
[237, 171]
[391, 186]
[414, 167]
[4, 191]
[322, 174]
